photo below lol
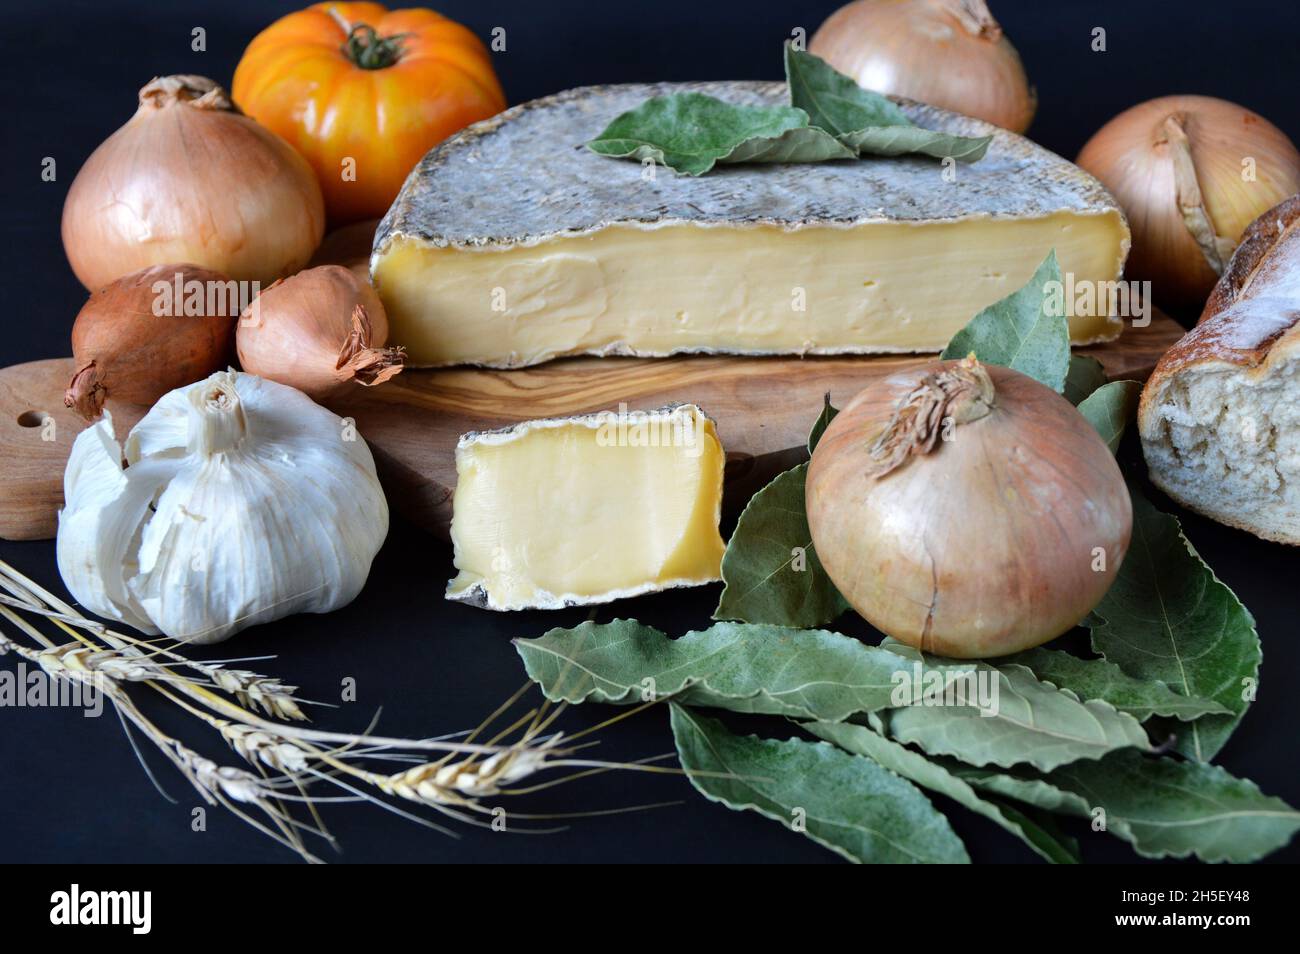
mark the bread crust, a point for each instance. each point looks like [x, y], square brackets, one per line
[1251, 261]
[1251, 319]
[1249, 327]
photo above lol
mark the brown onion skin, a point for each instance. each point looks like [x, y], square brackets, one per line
[140, 356]
[180, 182]
[1130, 155]
[349, 246]
[920, 50]
[293, 331]
[983, 547]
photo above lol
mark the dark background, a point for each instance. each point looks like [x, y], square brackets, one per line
[69, 787]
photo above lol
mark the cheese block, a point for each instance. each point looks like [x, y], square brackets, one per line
[511, 243]
[568, 511]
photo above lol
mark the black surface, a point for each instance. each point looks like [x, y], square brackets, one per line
[69, 787]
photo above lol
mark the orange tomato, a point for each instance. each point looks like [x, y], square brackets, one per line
[364, 93]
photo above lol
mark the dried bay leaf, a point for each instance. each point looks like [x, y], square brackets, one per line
[830, 117]
[823, 421]
[915, 767]
[770, 570]
[825, 676]
[864, 120]
[847, 803]
[1100, 679]
[1167, 617]
[1164, 807]
[691, 132]
[1021, 331]
[801, 674]
[1110, 408]
[1031, 723]
[1084, 376]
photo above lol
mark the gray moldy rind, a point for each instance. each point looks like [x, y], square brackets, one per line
[525, 176]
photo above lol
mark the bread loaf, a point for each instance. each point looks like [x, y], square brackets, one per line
[1220, 415]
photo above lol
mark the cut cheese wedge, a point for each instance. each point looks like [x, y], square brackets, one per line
[511, 244]
[563, 512]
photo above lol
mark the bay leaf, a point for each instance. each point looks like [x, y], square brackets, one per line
[770, 570]
[1101, 679]
[915, 767]
[821, 675]
[1168, 618]
[1110, 408]
[801, 674]
[1164, 807]
[799, 144]
[1084, 376]
[691, 132]
[865, 120]
[823, 421]
[1031, 723]
[846, 803]
[905, 140]
[1022, 331]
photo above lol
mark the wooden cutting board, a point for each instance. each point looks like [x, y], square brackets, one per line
[763, 406]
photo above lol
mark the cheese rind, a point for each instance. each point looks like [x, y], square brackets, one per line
[510, 244]
[583, 510]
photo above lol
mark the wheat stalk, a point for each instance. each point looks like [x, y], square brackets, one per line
[286, 758]
[223, 785]
[249, 688]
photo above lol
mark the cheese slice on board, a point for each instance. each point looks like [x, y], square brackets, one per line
[511, 243]
[569, 511]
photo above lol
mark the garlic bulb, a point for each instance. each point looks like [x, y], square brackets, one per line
[242, 501]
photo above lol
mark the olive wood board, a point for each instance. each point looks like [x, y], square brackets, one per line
[763, 408]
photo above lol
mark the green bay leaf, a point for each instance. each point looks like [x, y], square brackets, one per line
[1110, 408]
[1030, 722]
[1164, 807]
[819, 426]
[774, 670]
[1084, 376]
[1168, 618]
[915, 767]
[800, 144]
[1101, 679]
[770, 570]
[905, 140]
[1022, 331]
[864, 120]
[846, 803]
[691, 132]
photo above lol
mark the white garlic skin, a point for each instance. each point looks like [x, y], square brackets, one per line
[264, 505]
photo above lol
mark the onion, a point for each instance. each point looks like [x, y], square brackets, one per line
[321, 331]
[949, 53]
[967, 510]
[151, 332]
[1179, 166]
[191, 179]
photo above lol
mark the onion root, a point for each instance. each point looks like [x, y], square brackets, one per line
[360, 362]
[958, 394]
[86, 392]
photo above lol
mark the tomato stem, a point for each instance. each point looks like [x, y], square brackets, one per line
[370, 51]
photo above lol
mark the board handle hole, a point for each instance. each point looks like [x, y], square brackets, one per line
[32, 418]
